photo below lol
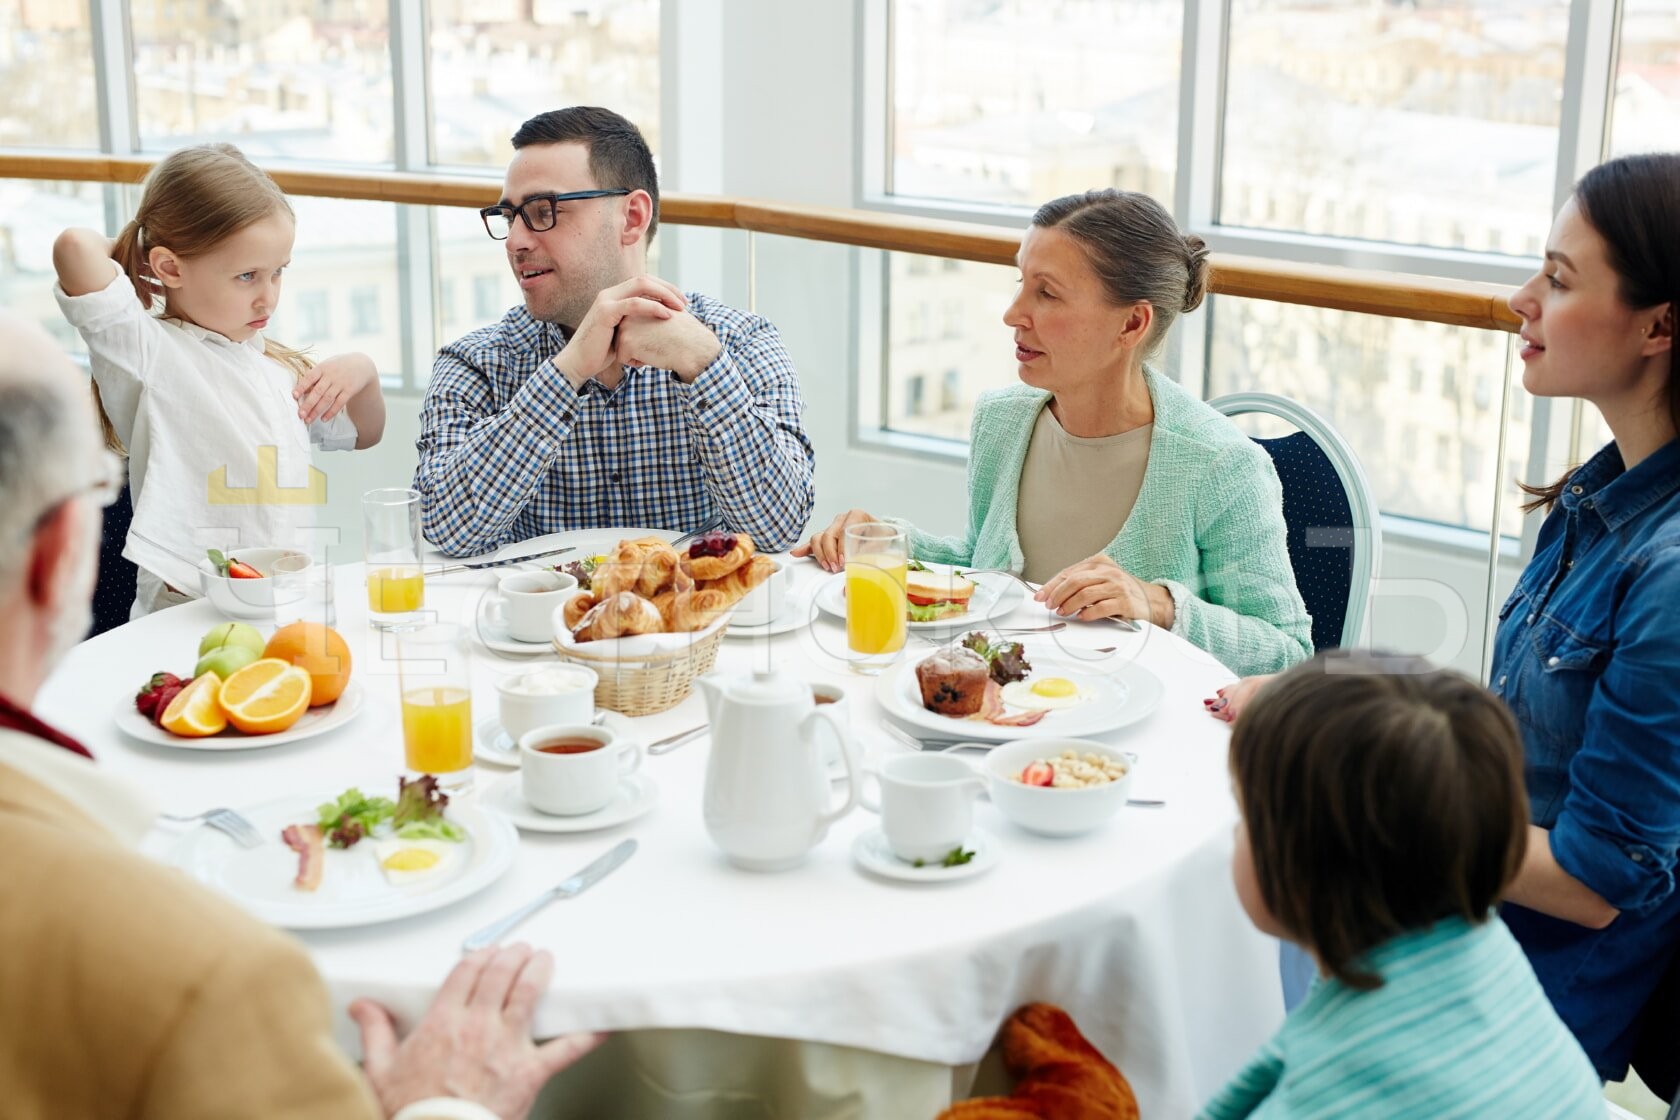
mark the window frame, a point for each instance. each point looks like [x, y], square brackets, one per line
[1594, 33]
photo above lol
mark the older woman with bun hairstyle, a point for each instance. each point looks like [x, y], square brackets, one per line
[1125, 495]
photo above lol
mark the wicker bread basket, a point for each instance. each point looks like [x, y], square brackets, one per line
[647, 682]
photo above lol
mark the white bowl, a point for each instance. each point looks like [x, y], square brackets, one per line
[1045, 809]
[244, 598]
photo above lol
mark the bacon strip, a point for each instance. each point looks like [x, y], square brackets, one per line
[991, 710]
[305, 840]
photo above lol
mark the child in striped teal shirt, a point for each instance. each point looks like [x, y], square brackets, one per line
[1383, 814]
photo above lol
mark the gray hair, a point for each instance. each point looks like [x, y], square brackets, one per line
[1137, 251]
[45, 428]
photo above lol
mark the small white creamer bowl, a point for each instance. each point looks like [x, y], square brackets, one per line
[556, 694]
[766, 602]
[244, 598]
[1047, 810]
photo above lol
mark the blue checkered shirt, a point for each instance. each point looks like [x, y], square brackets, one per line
[509, 450]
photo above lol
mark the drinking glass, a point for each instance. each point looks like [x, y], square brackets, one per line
[434, 673]
[877, 567]
[396, 589]
[303, 591]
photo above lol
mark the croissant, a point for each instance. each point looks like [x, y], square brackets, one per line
[716, 567]
[687, 611]
[576, 607]
[646, 567]
[618, 617]
[743, 579]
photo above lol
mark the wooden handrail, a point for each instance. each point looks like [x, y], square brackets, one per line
[1395, 295]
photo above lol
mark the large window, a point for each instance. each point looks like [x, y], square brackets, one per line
[31, 214]
[1646, 110]
[996, 101]
[493, 64]
[1428, 124]
[300, 79]
[1426, 138]
[46, 75]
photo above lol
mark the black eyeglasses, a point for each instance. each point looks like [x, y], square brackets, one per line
[538, 211]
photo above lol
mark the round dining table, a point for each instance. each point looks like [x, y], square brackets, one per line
[863, 986]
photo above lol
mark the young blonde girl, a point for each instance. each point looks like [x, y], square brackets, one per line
[192, 389]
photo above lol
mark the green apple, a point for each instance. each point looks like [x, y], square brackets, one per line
[225, 662]
[233, 634]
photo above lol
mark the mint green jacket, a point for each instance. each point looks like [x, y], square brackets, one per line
[1207, 525]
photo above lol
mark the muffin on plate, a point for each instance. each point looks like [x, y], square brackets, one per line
[953, 681]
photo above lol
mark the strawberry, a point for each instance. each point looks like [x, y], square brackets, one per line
[238, 569]
[165, 695]
[149, 700]
[1038, 773]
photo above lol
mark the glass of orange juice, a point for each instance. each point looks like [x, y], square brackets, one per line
[396, 589]
[434, 673]
[877, 566]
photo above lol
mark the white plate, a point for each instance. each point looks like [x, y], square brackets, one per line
[994, 596]
[636, 794]
[492, 743]
[875, 855]
[316, 721]
[1122, 697]
[797, 613]
[353, 890]
[491, 628]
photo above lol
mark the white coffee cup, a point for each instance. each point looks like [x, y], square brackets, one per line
[578, 782]
[528, 602]
[555, 694]
[766, 602]
[926, 805]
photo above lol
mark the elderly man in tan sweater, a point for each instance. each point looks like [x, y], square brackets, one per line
[130, 991]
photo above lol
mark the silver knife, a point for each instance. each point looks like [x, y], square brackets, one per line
[570, 888]
[451, 569]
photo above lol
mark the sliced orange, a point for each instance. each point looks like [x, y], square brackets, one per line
[194, 712]
[265, 696]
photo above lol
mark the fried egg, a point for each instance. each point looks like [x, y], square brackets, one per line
[1047, 694]
[405, 862]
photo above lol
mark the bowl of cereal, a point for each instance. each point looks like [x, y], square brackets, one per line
[1059, 787]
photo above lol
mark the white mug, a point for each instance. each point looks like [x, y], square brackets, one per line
[927, 804]
[766, 602]
[528, 602]
[557, 694]
[571, 784]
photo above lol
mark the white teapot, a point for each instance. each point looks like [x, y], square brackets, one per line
[767, 798]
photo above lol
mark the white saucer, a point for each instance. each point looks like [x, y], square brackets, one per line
[792, 618]
[874, 855]
[636, 794]
[492, 630]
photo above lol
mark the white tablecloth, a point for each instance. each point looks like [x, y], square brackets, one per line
[1134, 929]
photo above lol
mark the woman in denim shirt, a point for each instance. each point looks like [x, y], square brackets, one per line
[1588, 650]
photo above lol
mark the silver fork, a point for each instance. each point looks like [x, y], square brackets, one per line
[1051, 629]
[1129, 624]
[225, 820]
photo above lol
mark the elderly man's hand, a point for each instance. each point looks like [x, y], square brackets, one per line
[474, 1042]
[595, 347]
[1099, 588]
[1234, 699]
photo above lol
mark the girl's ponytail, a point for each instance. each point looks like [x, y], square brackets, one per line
[131, 258]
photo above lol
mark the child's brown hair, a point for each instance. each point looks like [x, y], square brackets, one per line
[193, 199]
[1380, 796]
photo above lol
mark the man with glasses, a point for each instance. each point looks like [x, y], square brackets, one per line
[128, 989]
[609, 398]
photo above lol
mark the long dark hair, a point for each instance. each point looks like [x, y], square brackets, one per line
[1634, 204]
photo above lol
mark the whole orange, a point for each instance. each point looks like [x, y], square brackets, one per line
[319, 651]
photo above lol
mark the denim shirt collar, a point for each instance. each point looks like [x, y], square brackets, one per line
[1621, 495]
